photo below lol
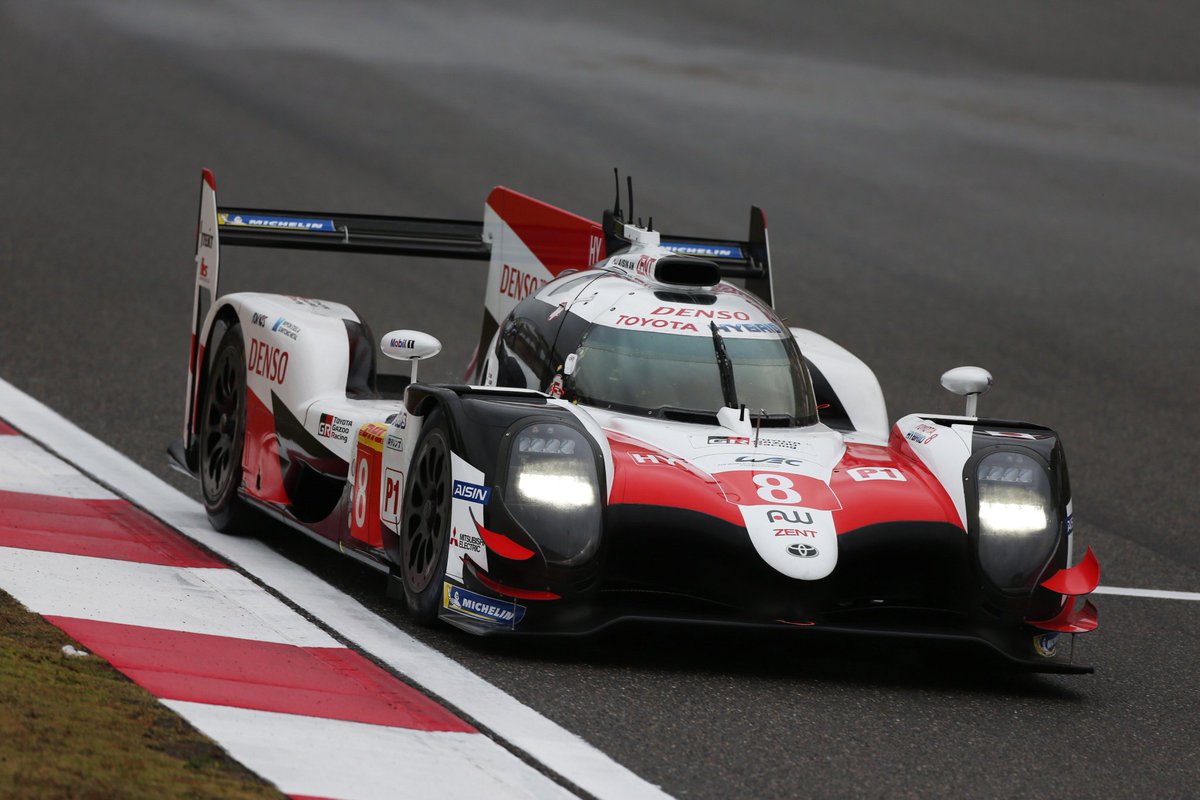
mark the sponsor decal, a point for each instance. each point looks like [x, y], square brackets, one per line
[705, 250]
[1070, 524]
[203, 268]
[393, 442]
[652, 458]
[1014, 435]
[782, 444]
[288, 329]
[467, 541]
[472, 492]
[789, 515]
[700, 313]
[267, 361]
[402, 344]
[402, 423]
[776, 460]
[334, 427]
[480, 607]
[645, 264]
[372, 434]
[876, 474]
[389, 506]
[802, 550]
[259, 319]
[795, 532]
[206, 239]
[308, 301]
[273, 221]
[518, 284]
[729, 440]
[595, 244]
[922, 433]
[1046, 644]
[556, 387]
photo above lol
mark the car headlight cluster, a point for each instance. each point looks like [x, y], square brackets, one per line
[552, 490]
[1018, 523]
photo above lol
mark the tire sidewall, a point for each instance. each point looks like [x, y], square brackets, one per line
[424, 605]
[223, 509]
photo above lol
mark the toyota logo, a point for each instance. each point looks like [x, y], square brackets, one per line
[802, 550]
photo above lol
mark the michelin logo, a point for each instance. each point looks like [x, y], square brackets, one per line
[477, 606]
[472, 492]
[271, 221]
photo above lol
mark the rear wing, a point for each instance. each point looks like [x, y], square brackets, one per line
[749, 260]
[526, 242]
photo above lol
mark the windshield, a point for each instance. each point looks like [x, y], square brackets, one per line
[643, 371]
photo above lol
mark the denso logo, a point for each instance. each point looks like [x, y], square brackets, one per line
[699, 313]
[517, 284]
[267, 361]
[471, 492]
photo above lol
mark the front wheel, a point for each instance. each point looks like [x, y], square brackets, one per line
[223, 434]
[425, 529]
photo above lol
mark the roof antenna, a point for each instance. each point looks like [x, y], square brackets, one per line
[617, 202]
[629, 178]
[650, 227]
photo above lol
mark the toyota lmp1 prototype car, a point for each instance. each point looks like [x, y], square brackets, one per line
[637, 438]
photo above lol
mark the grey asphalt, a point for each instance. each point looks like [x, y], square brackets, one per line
[1014, 185]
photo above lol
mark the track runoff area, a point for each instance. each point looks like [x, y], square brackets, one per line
[296, 680]
[278, 667]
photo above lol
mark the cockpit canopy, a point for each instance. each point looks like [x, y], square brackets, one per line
[638, 349]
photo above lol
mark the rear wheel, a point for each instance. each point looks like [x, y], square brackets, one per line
[223, 434]
[425, 529]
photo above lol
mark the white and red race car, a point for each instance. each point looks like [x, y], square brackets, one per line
[639, 439]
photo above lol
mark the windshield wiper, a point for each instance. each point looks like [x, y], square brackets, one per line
[728, 390]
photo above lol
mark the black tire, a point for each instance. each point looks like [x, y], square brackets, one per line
[425, 527]
[223, 434]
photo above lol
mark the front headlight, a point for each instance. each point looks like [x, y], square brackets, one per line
[553, 491]
[1018, 524]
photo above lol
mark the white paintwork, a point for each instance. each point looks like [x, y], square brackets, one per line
[851, 380]
[369, 762]
[218, 602]
[819, 534]
[26, 467]
[464, 538]
[514, 268]
[406, 345]
[944, 449]
[969, 382]
[554, 747]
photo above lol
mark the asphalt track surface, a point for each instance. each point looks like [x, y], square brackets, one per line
[1015, 185]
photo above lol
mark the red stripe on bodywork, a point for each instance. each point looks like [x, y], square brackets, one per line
[329, 682]
[5, 430]
[206, 173]
[920, 497]
[646, 475]
[113, 529]
[260, 453]
[560, 240]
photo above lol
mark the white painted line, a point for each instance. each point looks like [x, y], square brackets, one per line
[25, 467]
[545, 741]
[364, 765]
[1155, 593]
[217, 602]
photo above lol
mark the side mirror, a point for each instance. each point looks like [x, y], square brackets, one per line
[410, 346]
[969, 382]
